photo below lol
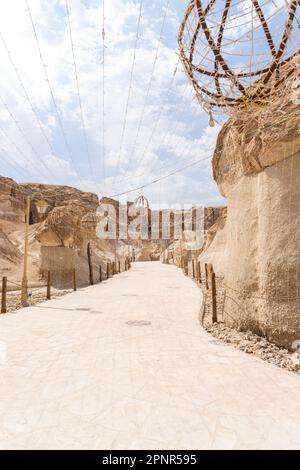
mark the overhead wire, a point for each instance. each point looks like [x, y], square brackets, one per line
[26, 94]
[103, 93]
[130, 83]
[58, 116]
[26, 139]
[83, 124]
[179, 170]
[166, 11]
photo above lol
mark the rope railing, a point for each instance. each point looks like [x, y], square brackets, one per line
[10, 298]
[215, 291]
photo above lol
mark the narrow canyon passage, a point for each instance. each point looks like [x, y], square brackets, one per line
[126, 365]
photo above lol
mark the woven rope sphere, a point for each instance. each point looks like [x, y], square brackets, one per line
[141, 202]
[239, 52]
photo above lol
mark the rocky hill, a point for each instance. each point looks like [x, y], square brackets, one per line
[60, 232]
[257, 168]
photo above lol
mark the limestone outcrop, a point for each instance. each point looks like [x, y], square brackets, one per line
[257, 168]
[57, 237]
[203, 247]
[60, 235]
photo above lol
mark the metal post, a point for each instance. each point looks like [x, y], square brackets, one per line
[4, 291]
[107, 270]
[24, 291]
[100, 273]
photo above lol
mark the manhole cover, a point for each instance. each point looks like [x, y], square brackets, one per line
[96, 312]
[83, 309]
[138, 323]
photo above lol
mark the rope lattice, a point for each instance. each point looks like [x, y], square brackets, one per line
[253, 46]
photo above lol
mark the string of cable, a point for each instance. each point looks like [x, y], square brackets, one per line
[83, 124]
[39, 122]
[103, 93]
[130, 83]
[166, 10]
[58, 117]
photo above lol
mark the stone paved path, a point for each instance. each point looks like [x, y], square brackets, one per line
[79, 372]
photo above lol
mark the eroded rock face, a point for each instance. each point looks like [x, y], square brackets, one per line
[12, 201]
[257, 168]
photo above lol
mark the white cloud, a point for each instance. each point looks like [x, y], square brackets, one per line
[180, 134]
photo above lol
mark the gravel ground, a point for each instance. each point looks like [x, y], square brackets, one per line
[253, 344]
[38, 295]
[244, 340]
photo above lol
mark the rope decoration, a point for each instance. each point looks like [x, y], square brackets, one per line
[253, 47]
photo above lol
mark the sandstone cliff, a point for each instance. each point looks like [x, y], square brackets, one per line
[257, 168]
[57, 238]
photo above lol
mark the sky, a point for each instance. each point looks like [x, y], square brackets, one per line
[54, 101]
[51, 112]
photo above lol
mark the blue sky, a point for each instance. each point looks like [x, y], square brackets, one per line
[46, 137]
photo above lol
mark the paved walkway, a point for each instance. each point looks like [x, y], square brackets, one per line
[126, 365]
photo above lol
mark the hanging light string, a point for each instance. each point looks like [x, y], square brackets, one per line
[24, 89]
[38, 160]
[159, 115]
[164, 139]
[103, 95]
[83, 124]
[151, 77]
[58, 117]
[130, 84]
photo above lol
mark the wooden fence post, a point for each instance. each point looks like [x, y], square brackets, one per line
[206, 277]
[100, 273]
[89, 255]
[214, 298]
[199, 272]
[74, 280]
[193, 269]
[49, 285]
[107, 270]
[119, 266]
[4, 291]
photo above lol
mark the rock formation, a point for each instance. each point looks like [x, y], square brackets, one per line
[205, 247]
[257, 168]
[59, 237]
